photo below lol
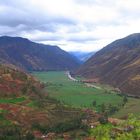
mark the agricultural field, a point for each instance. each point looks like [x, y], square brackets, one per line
[76, 94]
[132, 106]
[12, 100]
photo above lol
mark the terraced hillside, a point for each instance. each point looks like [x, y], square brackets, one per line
[26, 111]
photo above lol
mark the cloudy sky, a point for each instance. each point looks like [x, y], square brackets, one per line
[74, 25]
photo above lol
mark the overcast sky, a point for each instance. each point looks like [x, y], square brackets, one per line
[74, 25]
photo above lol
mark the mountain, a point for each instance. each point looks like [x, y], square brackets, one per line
[82, 56]
[117, 64]
[29, 55]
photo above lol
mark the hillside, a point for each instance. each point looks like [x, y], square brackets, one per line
[30, 56]
[117, 64]
[26, 111]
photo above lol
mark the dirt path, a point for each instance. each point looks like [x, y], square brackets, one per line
[70, 77]
[91, 85]
[87, 84]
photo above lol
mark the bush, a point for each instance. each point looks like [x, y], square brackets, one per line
[103, 119]
[59, 127]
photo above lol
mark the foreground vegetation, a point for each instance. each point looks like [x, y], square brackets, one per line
[26, 111]
[123, 130]
[132, 106]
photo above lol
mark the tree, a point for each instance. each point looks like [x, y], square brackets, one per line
[103, 107]
[125, 99]
[29, 136]
[94, 103]
[112, 109]
[103, 119]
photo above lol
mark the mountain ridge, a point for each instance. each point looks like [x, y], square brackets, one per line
[29, 55]
[117, 64]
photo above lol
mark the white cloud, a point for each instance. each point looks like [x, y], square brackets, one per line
[84, 25]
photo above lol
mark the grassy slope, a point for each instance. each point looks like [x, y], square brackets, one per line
[132, 106]
[74, 93]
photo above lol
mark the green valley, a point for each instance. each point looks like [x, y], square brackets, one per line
[76, 94]
[69, 70]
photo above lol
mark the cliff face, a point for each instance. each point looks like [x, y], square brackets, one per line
[33, 56]
[117, 64]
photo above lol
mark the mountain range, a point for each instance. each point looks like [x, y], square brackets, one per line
[32, 56]
[117, 64]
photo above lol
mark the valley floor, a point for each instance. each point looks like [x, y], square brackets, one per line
[63, 87]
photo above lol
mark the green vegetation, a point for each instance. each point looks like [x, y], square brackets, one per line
[3, 120]
[74, 93]
[33, 111]
[125, 130]
[78, 94]
[59, 127]
[132, 106]
[26, 110]
[13, 100]
[14, 133]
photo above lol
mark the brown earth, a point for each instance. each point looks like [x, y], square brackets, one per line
[117, 64]
[37, 112]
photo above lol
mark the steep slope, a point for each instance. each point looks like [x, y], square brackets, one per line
[117, 64]
[33, 56]
[15, 83]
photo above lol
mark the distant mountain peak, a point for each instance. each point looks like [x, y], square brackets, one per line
[82, 56]
[13, 38]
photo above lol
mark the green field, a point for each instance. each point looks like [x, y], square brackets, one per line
[74, 93]
[132, 106]
[13, 100]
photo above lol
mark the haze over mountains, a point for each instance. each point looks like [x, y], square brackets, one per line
[29, 55]
[117, 64]
[82, 56]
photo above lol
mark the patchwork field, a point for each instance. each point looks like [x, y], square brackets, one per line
[76, 94]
